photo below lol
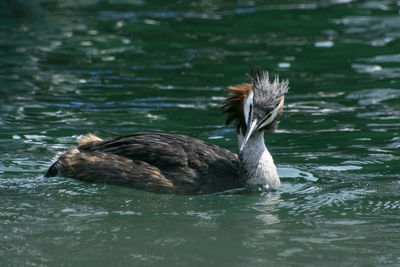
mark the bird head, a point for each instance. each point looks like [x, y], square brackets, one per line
[256, 106]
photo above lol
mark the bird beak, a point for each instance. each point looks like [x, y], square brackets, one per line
[249, 132]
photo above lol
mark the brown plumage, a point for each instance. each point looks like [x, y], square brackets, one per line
[233, 105]
[164, 163]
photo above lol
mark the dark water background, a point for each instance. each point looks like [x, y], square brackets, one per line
[114, 67]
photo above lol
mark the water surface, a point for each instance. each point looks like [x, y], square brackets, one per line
[111, 68]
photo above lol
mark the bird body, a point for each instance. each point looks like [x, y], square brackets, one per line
[154, 162]
[171, 163]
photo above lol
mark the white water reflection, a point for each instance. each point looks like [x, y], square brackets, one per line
[291, 172]
[374, 96]
[377, 70]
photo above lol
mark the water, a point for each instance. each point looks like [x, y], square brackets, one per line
[111, 68]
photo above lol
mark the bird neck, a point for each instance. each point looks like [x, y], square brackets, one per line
[257, 165]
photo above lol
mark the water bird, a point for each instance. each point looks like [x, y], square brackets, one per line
[173, 163]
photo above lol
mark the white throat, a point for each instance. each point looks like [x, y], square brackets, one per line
[257, 165]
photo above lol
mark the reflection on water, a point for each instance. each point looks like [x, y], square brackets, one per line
[68, 68]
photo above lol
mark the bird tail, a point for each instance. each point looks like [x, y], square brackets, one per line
[53, 170]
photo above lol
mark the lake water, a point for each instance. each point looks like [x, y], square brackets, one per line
[115, 67]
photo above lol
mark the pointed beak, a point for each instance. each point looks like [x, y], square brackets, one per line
[249, 132]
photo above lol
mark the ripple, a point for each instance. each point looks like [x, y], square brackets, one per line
[377, 30]
[374, 96]
[290, 172]
[340, 168]
[325, 44]
[377, 71]
[394, 58]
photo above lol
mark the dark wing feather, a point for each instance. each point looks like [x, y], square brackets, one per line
[180, 163]
[103, 167]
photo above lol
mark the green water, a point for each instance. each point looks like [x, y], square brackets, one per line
[115, 67]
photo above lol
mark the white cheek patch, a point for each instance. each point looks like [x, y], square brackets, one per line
[246, 109]
[273, 115]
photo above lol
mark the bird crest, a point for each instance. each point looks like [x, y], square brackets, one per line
[233, 106]
[267, 96]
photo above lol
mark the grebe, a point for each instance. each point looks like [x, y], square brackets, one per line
[172, 163]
